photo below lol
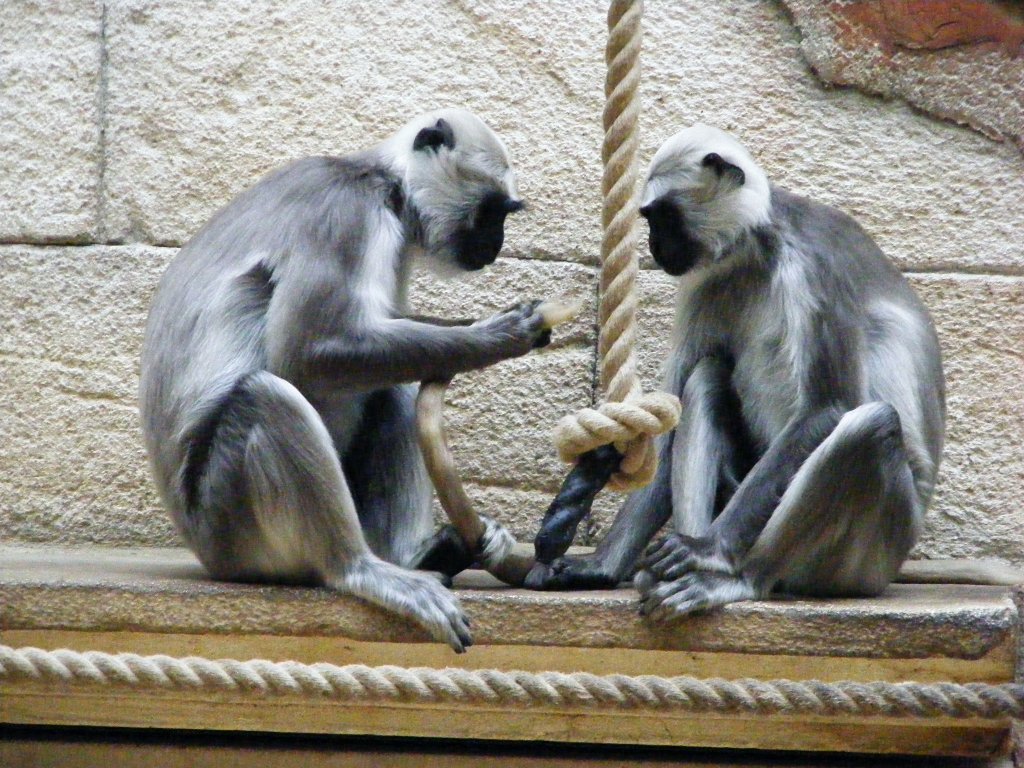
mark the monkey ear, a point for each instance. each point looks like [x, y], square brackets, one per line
[435, 137]
[724, 169]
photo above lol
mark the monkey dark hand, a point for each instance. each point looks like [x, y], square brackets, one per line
[518, 329]
[571, 572]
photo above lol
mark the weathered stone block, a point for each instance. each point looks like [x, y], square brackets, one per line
[977, 509]
[50, 149]
[933, 194]
[204, 99]
[957, 60]
[196, 114]
[70, 329]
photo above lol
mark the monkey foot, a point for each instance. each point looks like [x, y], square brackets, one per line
[443, 553]
[414, 594]
[675, 555]
[667, 601]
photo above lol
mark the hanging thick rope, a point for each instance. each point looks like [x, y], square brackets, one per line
[629, 418]
[360, 683]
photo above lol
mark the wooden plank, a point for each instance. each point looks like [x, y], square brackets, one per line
[160, 602]
[177, 749]
[27, 704]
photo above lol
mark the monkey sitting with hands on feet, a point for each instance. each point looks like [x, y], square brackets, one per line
[279, 371]
[812, 391]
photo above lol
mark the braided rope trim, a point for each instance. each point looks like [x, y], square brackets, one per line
[389, 684]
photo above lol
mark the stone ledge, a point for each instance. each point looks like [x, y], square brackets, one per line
[158, 601]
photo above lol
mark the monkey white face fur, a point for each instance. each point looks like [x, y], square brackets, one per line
[459, 192]
[703, 191]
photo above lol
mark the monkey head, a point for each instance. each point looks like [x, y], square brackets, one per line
[459, 186]
[703, 191]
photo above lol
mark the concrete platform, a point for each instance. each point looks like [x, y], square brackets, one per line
[159, 602]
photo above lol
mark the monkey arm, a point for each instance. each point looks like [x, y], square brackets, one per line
[444, 322]
[401, 351]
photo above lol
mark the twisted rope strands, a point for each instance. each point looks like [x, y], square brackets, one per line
[620, 265]
[360, 683]
[629, 418]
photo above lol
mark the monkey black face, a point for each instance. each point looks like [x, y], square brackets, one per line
[672, 246]
[479, 244]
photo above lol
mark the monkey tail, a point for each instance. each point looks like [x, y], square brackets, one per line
[991, 572]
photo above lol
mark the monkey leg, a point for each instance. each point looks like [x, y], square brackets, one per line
[388, 479]
[643, 513]
[843, 526]
[275, 506]
[711, 452]
[574, 500]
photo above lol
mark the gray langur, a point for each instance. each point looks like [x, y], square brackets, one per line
[278, 368]
[813, 398]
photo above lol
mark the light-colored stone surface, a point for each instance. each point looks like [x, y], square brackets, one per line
[203, 101]
[164, 591]
[70, 334]
[70, 329]
[978, 506]
[49, 120]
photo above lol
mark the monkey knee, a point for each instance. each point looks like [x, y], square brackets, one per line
[872, 421]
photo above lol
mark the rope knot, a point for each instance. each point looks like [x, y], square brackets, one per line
[630, 425]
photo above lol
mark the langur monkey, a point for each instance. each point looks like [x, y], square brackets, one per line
[279, 371]
[812, 390]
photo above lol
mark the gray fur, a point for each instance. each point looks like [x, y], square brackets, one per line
[278, 370]
[813, 397]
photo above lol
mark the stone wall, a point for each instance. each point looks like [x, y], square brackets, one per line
[125, 124]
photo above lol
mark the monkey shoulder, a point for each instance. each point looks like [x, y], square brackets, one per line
[833, 243]
[359, 179]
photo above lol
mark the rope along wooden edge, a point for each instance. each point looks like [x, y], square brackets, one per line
[359, 683]
[637, 420]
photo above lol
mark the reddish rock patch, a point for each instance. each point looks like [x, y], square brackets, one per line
[931, 24]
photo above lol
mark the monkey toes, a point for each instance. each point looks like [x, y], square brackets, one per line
[415, 595]
[669, 601]
[675, 555]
